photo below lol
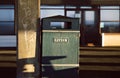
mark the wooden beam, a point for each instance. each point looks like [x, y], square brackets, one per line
[99, 68]
[80, 2]
[71, 2]
[27, 50]
[6, 2]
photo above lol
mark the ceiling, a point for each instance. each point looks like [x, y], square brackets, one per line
[71, 2]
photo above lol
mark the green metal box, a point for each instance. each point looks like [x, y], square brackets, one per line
[60, 50]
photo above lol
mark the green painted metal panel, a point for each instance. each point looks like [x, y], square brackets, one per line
[61, 47]
[60, 54]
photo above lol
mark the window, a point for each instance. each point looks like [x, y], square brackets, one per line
[110, 19]
[7, 28]
[89, 18]
[74, 14]
[7, 20]
[48, 11]
[71, 14]
[109, 15]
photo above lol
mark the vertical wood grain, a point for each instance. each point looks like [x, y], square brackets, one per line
[28, 14]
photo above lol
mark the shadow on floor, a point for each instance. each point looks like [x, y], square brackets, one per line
[7, 72]
[99, 74]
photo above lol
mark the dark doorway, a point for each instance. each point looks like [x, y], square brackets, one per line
[89, 18]
[90, 35]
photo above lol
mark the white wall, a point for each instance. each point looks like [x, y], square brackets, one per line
[110, 39]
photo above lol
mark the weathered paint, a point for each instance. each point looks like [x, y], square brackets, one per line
[60, 48]
[60, 51]
[27, 22]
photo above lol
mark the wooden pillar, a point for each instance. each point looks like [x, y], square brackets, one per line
[27, 17]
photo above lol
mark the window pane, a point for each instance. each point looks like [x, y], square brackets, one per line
[8, 41]
[109, 15]
[89, 17]
[48, 13]
[7, 20]
[74, 15]
[6, 14]
[6, 28]
[71, 14]
[110, 26]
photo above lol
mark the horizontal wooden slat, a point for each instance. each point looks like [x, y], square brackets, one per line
[100, 68]
[7, 52]
[107, 53]
[8, 64]
[99, 64]
[7, 58]
[100, 49]
[100, 60]
[91, 63]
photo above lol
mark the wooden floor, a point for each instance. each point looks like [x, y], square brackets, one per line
[7, 58]
[99, 62]
[94, 63]
[102, 59]
[7, 63]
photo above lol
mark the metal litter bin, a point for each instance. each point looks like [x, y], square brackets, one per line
[60, 47]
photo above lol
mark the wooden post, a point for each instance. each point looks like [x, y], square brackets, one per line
[27, 50]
